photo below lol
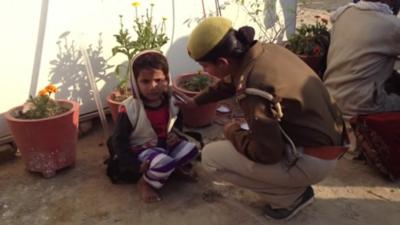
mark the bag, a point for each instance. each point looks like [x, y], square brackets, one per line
[378, 138]
[122, 169]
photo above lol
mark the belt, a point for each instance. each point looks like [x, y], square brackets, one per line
[325, 152]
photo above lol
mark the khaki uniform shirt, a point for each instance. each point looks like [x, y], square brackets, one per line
[310, 118]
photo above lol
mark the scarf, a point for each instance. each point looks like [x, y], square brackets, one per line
[362, 5]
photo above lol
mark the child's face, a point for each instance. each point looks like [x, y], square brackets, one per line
[152, 83]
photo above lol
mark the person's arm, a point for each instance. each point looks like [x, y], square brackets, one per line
[263, 142]
[219, 91]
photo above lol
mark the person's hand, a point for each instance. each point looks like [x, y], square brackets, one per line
[172, 139]
[183, 100]
[228, 126]
[144, 166]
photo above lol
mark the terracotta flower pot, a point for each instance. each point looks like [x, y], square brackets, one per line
[48, 144]
[114, 106]
[114, 100]
[200, 116]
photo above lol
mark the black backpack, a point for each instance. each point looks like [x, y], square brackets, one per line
[122, 169]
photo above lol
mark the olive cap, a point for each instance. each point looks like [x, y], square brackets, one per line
[207, 35]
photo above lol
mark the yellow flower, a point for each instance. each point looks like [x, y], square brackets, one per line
[43, 92]
[51, 88]
[135, 4]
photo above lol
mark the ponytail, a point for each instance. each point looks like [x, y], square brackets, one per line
[234, 44]
[245, 36]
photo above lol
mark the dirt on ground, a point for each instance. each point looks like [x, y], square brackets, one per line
[355, 194]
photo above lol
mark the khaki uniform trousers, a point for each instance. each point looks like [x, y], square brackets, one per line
[281, 186]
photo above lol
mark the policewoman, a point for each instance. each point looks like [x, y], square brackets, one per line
[295, 131]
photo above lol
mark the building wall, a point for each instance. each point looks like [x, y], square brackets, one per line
[90, 24]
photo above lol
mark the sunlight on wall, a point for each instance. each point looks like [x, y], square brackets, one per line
[19, 25]
[90, 24]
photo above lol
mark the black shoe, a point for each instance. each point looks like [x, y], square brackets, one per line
[306, 199]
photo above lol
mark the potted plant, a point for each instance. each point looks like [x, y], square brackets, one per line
[191, 84]
[310, 42]
[45, 132]
[148, 36]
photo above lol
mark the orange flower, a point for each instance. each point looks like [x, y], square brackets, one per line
[43, 92]
[317, 50]
[51, 88]
[325, 21]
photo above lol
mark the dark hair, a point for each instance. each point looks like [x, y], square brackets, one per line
[396, 7]
[234, 44]
[149, 61]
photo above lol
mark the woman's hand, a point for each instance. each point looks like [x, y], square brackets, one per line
[229, 126]
[183, 100]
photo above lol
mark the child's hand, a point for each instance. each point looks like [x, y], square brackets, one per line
[144, 166]
[172, 139]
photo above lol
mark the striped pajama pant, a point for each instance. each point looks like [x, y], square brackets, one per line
[163, 162]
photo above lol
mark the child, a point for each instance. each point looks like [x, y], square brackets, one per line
[144, 126]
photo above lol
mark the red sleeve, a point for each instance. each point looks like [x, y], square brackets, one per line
[122, 109]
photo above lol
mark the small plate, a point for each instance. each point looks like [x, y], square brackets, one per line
[244, 126]
[223, 109]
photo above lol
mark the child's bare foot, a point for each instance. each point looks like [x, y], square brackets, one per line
[147, 193]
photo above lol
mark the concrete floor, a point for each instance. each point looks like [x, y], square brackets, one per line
[354, 194]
